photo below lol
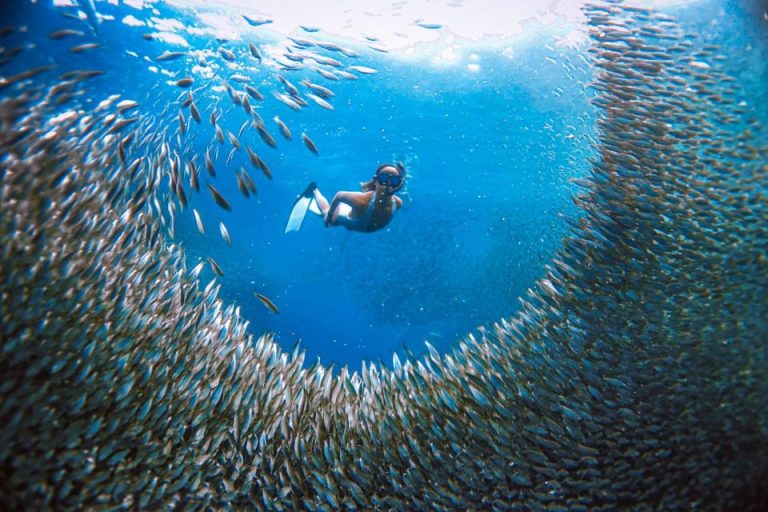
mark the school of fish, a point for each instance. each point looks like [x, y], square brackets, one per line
[634, 376]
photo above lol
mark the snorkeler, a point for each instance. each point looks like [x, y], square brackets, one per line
[368, 210]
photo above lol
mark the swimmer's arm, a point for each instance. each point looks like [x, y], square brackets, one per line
[398, 202]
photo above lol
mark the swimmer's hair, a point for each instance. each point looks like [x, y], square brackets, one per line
[367, 186]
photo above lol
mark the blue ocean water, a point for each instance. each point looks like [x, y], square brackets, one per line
[480, 216]
[477, 190]
[489, 155]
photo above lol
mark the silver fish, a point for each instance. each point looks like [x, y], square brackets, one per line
[253, 93]
[209, 163]
[199, 222]
[254, 51]
[267, 303]
[194, 112]
[225, 234]
[227, 54]
[61, 34]
[266, 136]
[218, 198]
[215, 267]
[168, 56]
[84, 47]
[283, 128]
[184, 82]
[363, 69]
[321, 91]
[320, 101]
[308, 142]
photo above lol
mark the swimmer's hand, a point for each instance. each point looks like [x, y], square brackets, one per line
[331, 210]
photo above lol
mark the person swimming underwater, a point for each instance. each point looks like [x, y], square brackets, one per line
[368, 210]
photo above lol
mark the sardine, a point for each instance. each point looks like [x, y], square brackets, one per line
[253, 93]
[215, 267]
[267, 303]
[61, 34]
[168, 56]
[283, 128]
[226, 54]
[194, 112]
[199, 222]
[320, 101]
[225, 233]
[308, 142]
[266, 136]
[84, 47]
[184, 82]
[218, 198]
[254, 51]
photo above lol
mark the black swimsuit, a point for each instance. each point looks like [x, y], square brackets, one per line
[363, 222]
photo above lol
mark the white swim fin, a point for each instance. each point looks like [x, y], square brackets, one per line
[304, 202]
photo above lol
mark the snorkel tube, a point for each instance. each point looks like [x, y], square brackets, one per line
[403, 174]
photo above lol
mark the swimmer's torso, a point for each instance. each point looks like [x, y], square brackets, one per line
[371, 212]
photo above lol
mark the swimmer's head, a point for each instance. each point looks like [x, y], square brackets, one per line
[389, 177]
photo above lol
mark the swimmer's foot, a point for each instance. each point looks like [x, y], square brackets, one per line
[310, 190]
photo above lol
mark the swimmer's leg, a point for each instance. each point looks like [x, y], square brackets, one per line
[322, 202]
